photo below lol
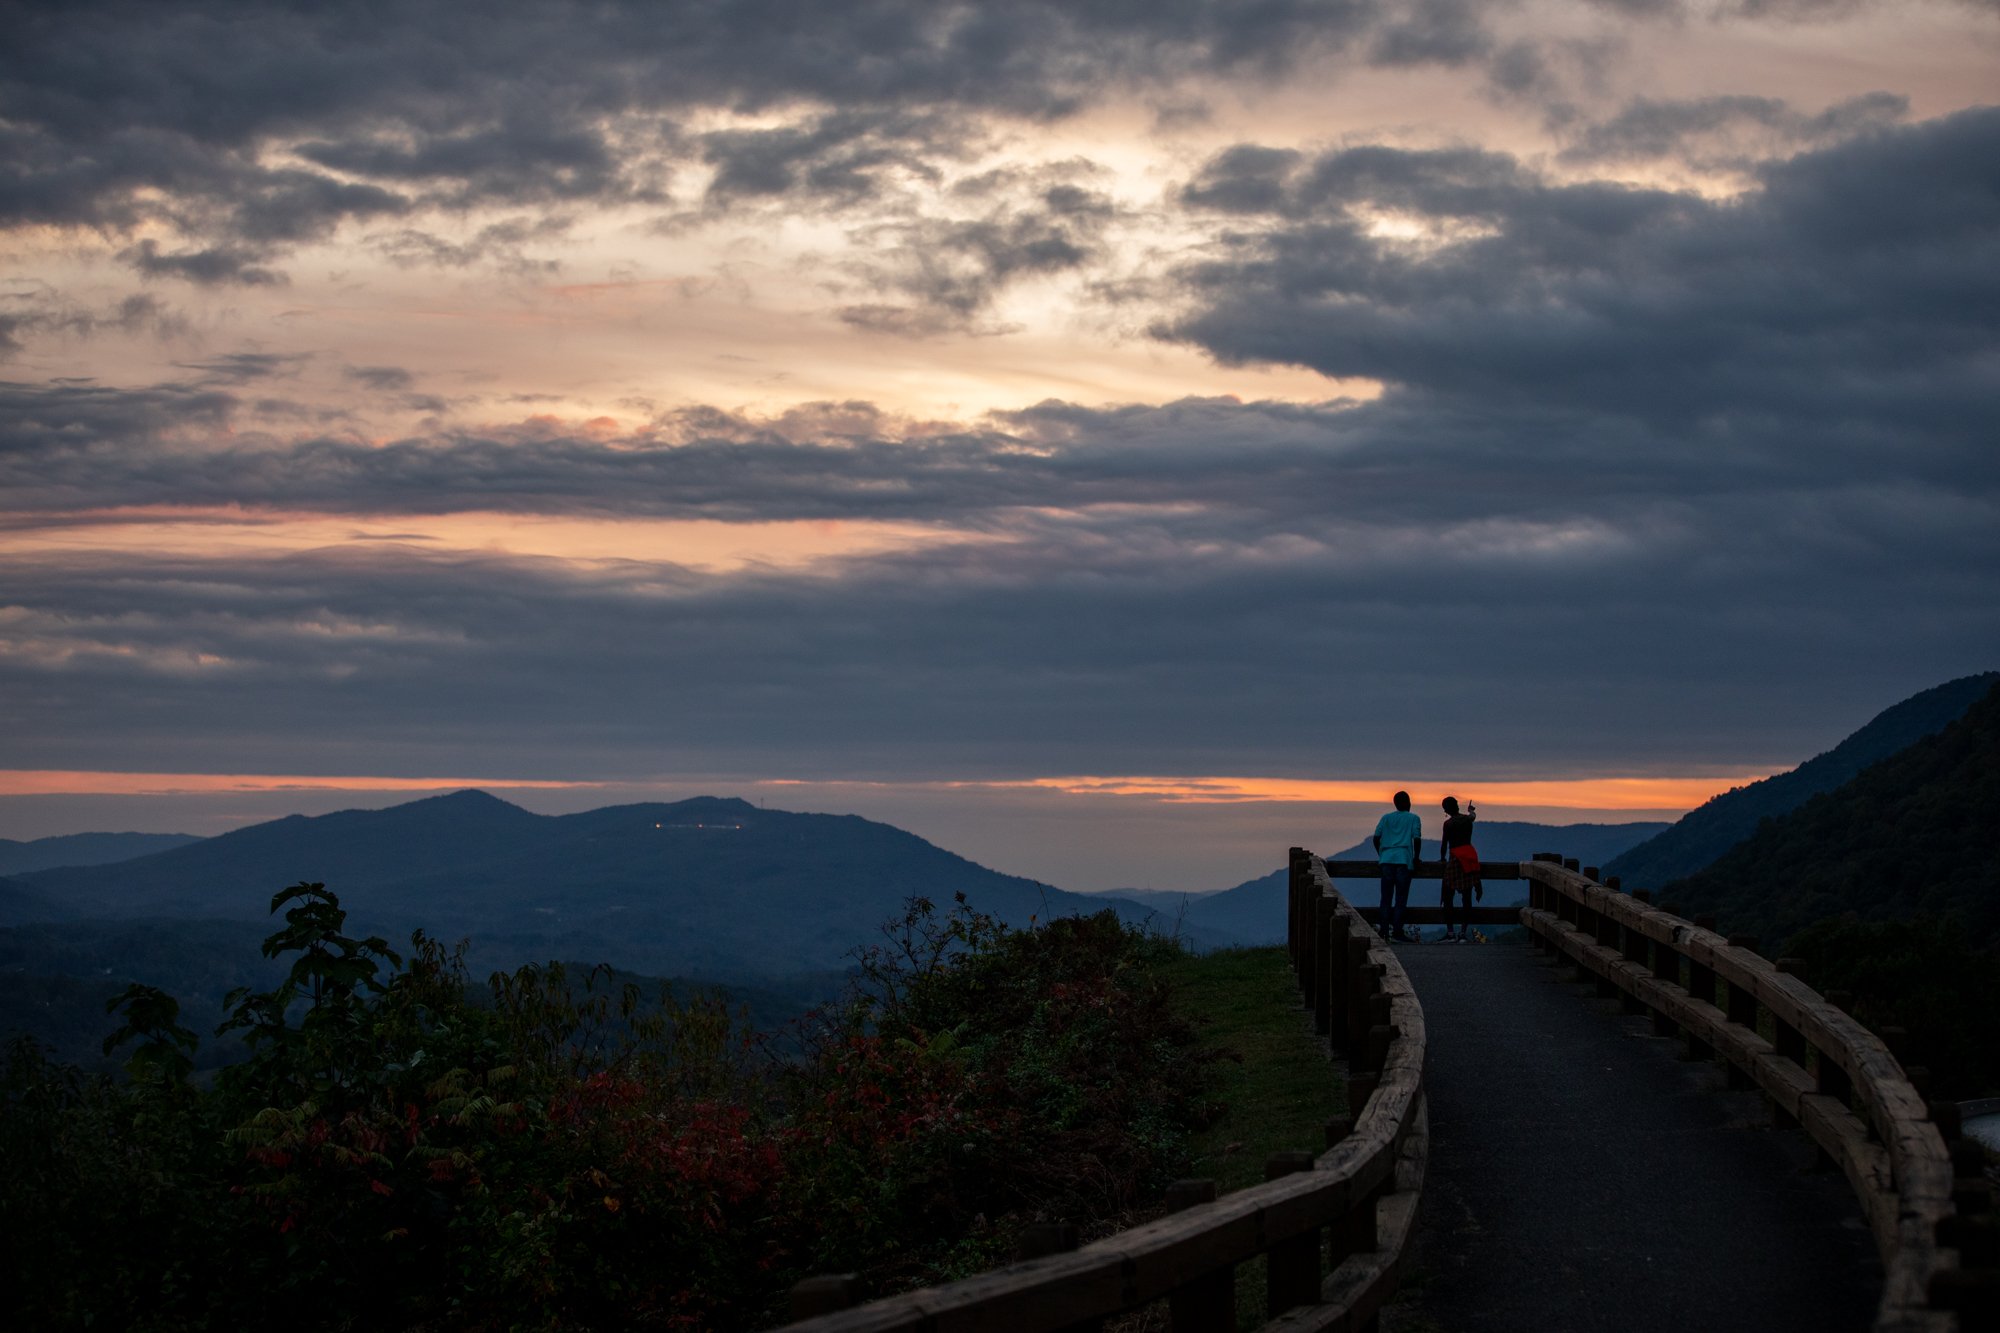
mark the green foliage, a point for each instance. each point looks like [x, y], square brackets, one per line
[1910, 836]
[1923, 976]
[571, 1152]
[1890, 887]
[165, 1050]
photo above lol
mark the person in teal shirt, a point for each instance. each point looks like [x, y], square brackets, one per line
[1398, 834]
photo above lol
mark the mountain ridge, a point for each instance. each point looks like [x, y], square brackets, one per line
[83, 849]
[706, 885]
[1724, 820]
[1906, 837]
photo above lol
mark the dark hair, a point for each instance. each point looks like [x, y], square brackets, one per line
[1451, 805]
[1402, 800]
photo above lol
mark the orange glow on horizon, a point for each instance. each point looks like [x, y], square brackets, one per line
[1613, 793]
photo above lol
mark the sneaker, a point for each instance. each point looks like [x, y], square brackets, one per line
[1450, 938]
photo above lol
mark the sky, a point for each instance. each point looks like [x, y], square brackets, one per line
[1117, 441]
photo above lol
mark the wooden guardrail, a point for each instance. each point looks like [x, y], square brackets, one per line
[1333, 1228]
[1419, 914]
[1821, 1070]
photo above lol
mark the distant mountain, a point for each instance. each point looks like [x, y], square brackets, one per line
[84, 849]
[1909, 836]
[20, 903]
[708, 887]
[1719, 824]
[1253, 912]
[1162, 900]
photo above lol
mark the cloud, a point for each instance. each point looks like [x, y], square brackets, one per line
[218, 266]
[1122, 639]
[952, 269]
[1846, 297]
[236, 368]
[838, 159]
[521, 160]
[1638, 451]
[249, 131]
[382, 379]
[1733, 131]
[503, 245]
[1433, 32]
[38, 311]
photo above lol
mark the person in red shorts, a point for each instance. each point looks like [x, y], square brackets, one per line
[1461, 871]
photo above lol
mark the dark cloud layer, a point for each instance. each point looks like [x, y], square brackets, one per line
[248, 127]
[252, 126]
[1848, 300]
[1653, 475]
[1654, 478]
[1735, 130]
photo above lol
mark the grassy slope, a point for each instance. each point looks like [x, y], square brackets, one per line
[1280, 1094]
[1276, 1097]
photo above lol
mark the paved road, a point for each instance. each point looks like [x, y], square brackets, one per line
[1582, 1177]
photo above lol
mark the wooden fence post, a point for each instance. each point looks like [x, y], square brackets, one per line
[1701, 985]
[1791, 1042]
[1041, 1239]
[1360, 1087]
[1742, 1010]
[1297, 889]
[1207, 1304]
[1324, 915]
[1338, 961]
[1362, 980]
[1666, 968]
[1634, 951]
[824, 1294]
[1291, 1271]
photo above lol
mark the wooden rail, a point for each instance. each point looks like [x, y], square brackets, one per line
[1333, 1228]
[1420, 915]
[1820, 1068]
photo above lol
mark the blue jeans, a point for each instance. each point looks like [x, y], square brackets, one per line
[1396, 882]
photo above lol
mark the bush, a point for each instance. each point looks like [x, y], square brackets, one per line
[573, 1155]
[1924, 976]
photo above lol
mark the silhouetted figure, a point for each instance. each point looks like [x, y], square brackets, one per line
[1461, 871]
[1398, 834]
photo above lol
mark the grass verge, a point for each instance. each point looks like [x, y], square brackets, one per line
[1276, 1084]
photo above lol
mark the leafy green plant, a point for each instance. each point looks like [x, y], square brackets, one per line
[560, 1151]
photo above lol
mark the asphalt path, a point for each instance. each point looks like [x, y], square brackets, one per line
[1584, 1176]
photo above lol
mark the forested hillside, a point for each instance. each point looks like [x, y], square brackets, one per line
[1889, 887]
[1708, 831]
